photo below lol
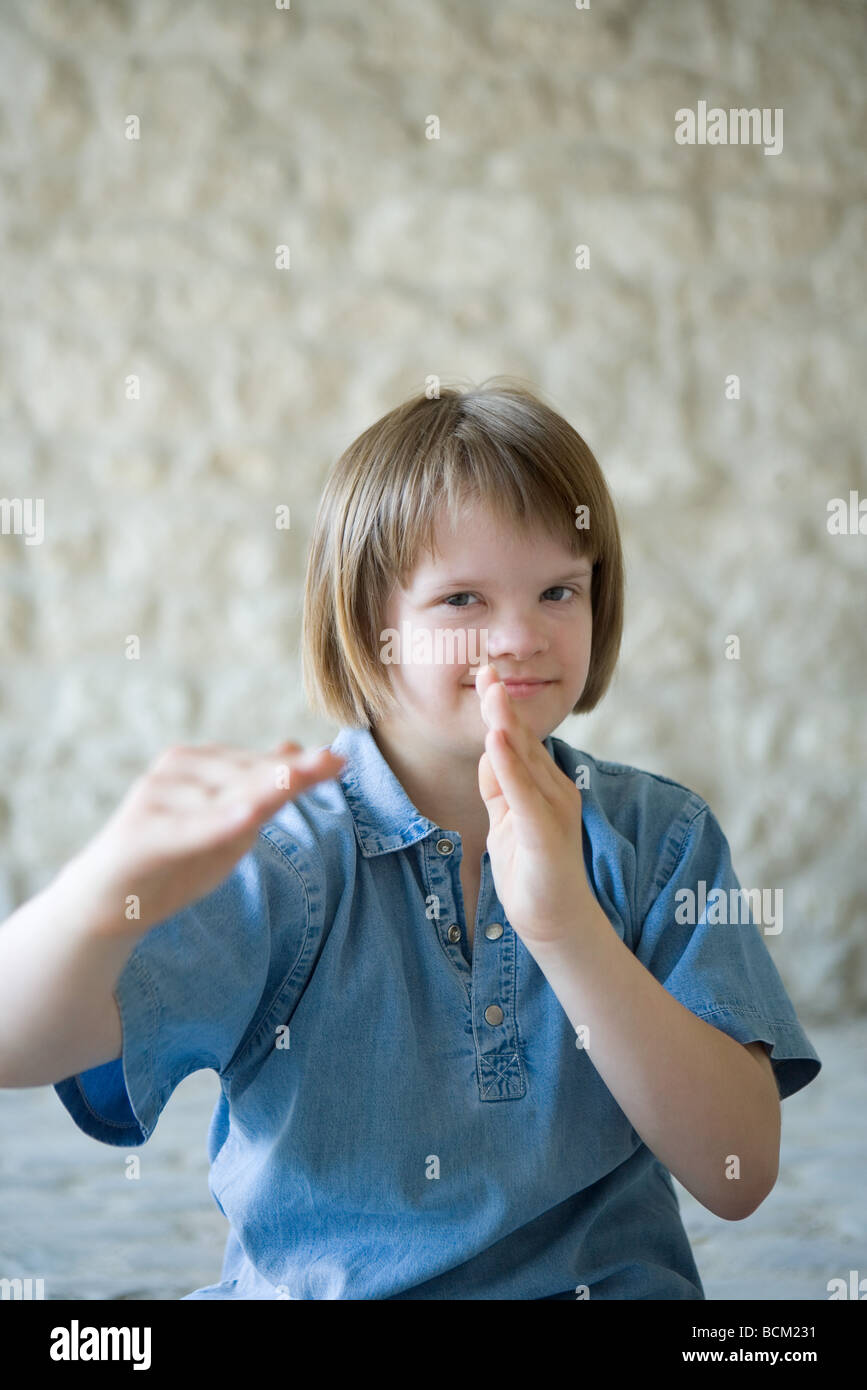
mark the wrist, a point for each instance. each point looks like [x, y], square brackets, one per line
[573, 935]
[91, 901]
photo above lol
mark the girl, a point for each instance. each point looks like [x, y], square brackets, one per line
[465, 1030]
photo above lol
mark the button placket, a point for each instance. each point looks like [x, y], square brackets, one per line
[492, 999]
[501, 1075]
[446, 847]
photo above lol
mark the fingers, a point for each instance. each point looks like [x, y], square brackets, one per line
[514, 778]
[501, 713]
[490, 789]
[216, 777]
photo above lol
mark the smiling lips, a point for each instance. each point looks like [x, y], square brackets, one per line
[525, 687]
[522, 687]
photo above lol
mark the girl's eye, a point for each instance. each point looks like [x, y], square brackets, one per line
[464, 594]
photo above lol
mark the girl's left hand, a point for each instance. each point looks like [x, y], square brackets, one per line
[535, 839]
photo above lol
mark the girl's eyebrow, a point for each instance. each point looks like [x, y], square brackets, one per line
[434, 583]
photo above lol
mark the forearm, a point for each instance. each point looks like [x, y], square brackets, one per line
[693, 1094]
[58, 968]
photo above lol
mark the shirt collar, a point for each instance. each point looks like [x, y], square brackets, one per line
[385, 818]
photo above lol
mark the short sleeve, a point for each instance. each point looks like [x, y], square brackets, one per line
[700, 939]
[193, 993]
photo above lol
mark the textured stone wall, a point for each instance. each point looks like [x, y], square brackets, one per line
[153, 260]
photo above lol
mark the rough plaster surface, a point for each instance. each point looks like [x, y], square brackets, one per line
[411, 256]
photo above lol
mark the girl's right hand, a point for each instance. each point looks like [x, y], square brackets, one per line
[182, 827]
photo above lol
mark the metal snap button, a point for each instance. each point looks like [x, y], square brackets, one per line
[454, 932]
[445, 846]
[494, 1014]
[494, 930]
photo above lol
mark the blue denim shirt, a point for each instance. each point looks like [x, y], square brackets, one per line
[377, 1135]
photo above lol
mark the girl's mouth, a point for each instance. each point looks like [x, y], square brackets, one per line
[522, 688]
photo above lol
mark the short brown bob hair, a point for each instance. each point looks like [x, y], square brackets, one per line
[500, 444]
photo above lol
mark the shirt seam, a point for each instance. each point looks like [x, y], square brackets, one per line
[175, 1077]
[736, 1006]
[252, 1033]
[702, 810]
[616, 769]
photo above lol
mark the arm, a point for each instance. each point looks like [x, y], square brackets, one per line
[175, 837]
[58, 1015]
[697, 1098]
[693, 1094]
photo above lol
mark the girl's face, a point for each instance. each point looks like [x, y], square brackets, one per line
[525, 593]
